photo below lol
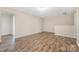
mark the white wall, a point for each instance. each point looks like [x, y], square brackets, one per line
[65, 30]
[25, 24]
[6, 24]
[0, 28]
[0, 25]
[77, 24]
[50, 22]
[11, 23]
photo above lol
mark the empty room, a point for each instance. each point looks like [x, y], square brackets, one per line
[45, 29]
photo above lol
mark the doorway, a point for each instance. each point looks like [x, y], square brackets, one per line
[7, 35]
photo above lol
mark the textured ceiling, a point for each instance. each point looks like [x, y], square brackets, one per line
[50, 11]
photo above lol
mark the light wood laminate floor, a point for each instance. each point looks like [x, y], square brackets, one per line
[46, 42]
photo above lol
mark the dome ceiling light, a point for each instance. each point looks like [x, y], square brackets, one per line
[42, 8]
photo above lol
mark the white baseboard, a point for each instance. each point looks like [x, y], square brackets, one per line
[23, 35]
[7, 35]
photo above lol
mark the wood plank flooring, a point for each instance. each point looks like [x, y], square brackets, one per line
[7, 44]
[46, 42]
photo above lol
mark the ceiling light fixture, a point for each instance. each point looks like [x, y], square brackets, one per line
[42, 8]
